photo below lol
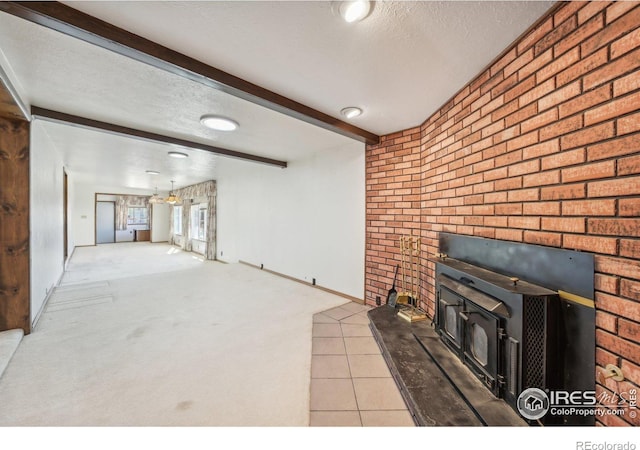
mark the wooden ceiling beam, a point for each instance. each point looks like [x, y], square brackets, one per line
[68, 119]
[62, 18]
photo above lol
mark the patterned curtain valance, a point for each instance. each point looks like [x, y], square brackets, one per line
[206, 189]
[136, 201]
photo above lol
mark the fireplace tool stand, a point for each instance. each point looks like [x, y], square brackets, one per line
[410, 252]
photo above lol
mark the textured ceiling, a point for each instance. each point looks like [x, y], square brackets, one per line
[99, 157]
[400, 65]
[53, 70]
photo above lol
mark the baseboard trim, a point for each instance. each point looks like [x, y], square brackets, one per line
[306, 283]
[36, 319]
[66, 261]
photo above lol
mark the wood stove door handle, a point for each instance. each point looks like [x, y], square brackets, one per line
[448, 305]
[463, 315]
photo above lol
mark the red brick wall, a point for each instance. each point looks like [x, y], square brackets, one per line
[542, 147]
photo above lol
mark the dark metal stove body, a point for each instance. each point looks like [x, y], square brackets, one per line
[504, 331]
[515, 336]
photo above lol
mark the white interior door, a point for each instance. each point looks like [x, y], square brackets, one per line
[160, 222]
[105, 222]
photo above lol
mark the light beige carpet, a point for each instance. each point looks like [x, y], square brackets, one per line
[9, 342]
[139, 334]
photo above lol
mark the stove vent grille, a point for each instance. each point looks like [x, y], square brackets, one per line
[535, 342]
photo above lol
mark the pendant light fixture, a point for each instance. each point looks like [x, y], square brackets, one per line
[155, 198]
[172, 199]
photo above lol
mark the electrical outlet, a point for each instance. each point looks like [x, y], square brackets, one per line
[221, 253]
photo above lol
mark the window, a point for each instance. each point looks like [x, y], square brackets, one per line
[138, 216]
[199, 221]
[177, 219]
[202, 224]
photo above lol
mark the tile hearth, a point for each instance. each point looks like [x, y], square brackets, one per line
[350, 382]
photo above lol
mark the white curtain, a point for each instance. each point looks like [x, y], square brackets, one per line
[171, 236]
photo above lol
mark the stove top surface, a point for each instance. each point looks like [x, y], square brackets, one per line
[511, 284]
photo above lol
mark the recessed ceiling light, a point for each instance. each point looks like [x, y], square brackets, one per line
[218, 123]
[351, 112]
[354, 11]
[178, 155]
[153, 172]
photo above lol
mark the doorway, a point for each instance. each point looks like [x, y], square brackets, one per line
[105, 222]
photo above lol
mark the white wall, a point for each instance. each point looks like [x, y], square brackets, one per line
[47, 220]
[306, 221]
[82, 202]
[159, 222]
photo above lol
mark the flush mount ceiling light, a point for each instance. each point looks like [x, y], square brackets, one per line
[153, 172]
[178, 155]
[354, 11]
[350, 112]
[218, 123]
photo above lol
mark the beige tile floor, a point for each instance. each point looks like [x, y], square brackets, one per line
[350, 382]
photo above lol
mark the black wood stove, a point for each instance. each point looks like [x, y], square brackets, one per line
[502, 328]
[514, 334]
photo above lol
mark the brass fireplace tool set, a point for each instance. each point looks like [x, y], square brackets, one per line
[408, 299]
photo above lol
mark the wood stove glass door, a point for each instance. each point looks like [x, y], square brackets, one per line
[481, 343]
[449, 324]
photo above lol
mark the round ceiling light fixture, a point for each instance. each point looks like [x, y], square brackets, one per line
[355, 11]
[153, 172]
[218, 123]
[178, 155]
[350, 112]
